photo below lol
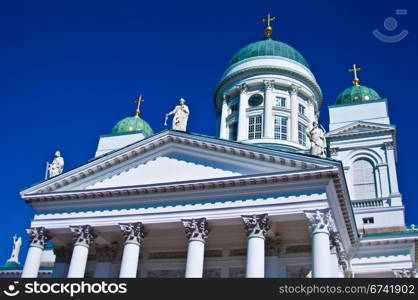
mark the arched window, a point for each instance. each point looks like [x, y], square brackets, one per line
[363, 179]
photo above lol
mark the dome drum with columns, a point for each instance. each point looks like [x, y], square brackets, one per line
[268, 96]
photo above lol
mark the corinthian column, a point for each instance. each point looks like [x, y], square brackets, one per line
[268, 109]
[242, 114]
[196, 232]
[37, 236]
[256, 227]
[133, 234]
[294, 119]
[83, 237]
[320, 224]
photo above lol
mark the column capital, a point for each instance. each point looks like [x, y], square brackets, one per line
[83, 235]
[38, 236]
[405, 273]
[256, 225]
[242, 87]
[389, 145]
[293, 89]
[133, 233]
[225, 98]
[320, 220]
[196, 229]
[268, 84]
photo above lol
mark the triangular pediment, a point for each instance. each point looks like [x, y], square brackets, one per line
[360, 127]
[171, 157]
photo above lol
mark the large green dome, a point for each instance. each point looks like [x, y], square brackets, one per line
[268, 47]
[357, 94]
[133, 124]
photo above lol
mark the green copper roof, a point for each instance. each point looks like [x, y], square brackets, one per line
[132, 124]
[268, 47]
[357, 94]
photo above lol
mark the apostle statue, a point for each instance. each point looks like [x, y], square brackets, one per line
[57, 165]
[317, 137]
[181, 115]
[17, 243]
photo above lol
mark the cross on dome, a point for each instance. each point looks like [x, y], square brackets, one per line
[138, 102]
[268, 30]
[356, 81]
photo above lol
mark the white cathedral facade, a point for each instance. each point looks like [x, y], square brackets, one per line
[250, 202]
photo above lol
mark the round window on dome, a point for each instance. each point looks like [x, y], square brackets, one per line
[255, 100]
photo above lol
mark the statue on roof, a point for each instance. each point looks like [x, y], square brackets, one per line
[14, 257]
[57, 166]
[181, 115]
[317, 137]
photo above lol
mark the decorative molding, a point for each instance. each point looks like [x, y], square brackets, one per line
[242, 87]
[320, 220]
[336, 243]
[132, 232]
[83, 235]
[256, 225]
[405, 273]
[293, 89]
[38, 236]
[389, 145]
[225, 98]
[268, 84]
[196, 229]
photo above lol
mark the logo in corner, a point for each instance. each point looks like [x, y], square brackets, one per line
[11, 290]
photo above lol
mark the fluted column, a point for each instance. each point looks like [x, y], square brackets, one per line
[196, 232]
[320, 224]
[224, 115]
[242, 115]
[37, 237]
[294, 119]
[268, 109]
[83, 237]
[256, 226]
[133, 234]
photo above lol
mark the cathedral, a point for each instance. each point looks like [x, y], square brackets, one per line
[271, 195]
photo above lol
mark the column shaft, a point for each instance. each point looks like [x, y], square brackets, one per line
[129, 264]
[268, 110]
[255, 257]
[321, 255]
[224, 115]
[294, 118]
[32, 263]
[242, 114]
[78, 261]
[195, 259]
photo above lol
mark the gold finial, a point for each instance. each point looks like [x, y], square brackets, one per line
[268, 30]
[138, 101]
[356, 81]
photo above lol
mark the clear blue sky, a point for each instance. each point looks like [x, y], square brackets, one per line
[71, 69]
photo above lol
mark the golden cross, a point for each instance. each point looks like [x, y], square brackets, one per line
[356, 81]
[269, 19]
[138, 101]
[268, 30]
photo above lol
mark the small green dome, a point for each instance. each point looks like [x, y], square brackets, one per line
[357, 94]
[268, 47]
[11, 264]
[133, 124]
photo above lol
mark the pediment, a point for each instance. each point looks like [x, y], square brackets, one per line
[170, 157]
[360, 128]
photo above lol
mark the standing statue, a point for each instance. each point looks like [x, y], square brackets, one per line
[317, 137]
[17, 243]
[57, 165]
[181, 115]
